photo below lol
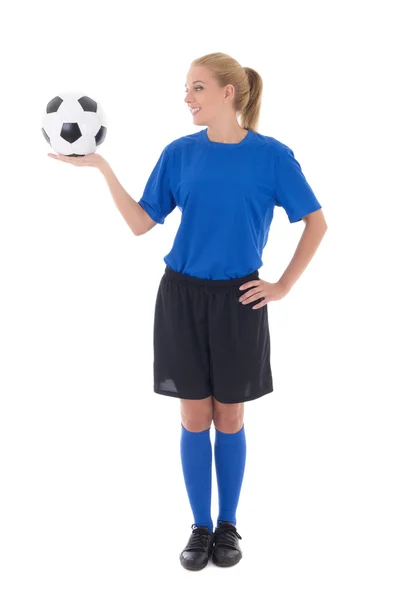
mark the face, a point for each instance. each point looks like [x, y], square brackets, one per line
[202, 91]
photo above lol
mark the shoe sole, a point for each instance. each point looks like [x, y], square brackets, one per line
[194, 568]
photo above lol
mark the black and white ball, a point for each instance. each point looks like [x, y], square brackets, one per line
[74, 124]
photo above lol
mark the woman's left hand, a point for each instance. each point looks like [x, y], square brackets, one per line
[262, 289]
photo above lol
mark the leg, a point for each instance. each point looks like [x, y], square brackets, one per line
[196, 456]
[197, 415]
[230, 456]
[228, 418]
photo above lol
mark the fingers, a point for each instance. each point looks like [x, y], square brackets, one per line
[252, 292]
[89, 160]
[252, 298]
[72, 160]
[59, 157]
[260, 304]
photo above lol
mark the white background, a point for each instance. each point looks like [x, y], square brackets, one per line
[93, 503]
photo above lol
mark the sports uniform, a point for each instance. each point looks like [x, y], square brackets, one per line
[205, 341]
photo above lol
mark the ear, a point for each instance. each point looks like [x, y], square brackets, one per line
[229, 91]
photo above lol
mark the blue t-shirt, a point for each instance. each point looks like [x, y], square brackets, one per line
[227, 194]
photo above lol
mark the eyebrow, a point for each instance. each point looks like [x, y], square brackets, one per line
[198, 81]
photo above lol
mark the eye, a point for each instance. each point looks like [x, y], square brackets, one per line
[199, 87]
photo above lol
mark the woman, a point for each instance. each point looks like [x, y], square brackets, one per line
[211, 334]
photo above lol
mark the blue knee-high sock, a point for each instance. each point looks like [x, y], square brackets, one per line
[196, 456]
[230, 460]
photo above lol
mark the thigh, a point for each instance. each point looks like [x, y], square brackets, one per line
[197, 415]
[239, 338]
[181, 355]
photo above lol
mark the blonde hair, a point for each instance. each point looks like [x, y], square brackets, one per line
[247, 82]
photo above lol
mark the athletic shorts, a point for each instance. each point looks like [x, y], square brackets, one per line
[207, 343]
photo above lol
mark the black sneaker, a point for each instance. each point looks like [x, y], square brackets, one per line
[226, 551]
[197, 551]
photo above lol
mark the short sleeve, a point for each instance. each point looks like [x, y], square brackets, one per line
[292, 191]
[157, 199]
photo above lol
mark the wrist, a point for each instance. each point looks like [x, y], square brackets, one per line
[104, 166]
[286, 287]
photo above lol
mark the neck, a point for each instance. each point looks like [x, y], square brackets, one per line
[226, 135]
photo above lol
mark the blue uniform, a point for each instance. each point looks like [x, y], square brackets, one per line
[227, 194]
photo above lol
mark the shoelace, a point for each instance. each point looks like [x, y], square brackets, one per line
[199, 538]
[225, 535]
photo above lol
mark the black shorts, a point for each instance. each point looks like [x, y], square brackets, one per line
[207, 343]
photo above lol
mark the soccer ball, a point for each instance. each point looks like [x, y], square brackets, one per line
[74, 125]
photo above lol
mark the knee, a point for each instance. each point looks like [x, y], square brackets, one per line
[228, 425]
[196, 425]
[197, 415]
[228, 418]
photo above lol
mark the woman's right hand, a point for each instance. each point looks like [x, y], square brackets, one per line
[90, 160]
